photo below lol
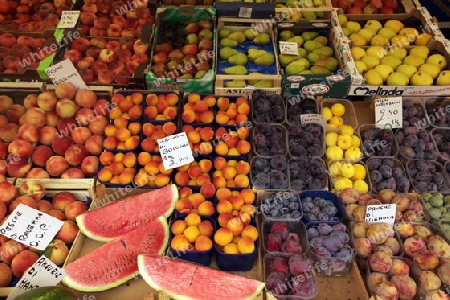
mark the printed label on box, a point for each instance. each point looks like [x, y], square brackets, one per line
[175, 150]
[389, 112]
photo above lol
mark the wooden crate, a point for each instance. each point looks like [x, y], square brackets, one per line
[288, 14]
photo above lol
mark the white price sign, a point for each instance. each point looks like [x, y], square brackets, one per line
[313, 118]
[65, 71]
[384, 213]
[389, 112]
[290, 48]
[42, 273]
[31, 227]
[245, 12]
[175, 150]
[69, 19]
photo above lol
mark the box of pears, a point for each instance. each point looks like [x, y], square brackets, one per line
[310, 65]
[302, 10]
[392, 57]
[246, 57]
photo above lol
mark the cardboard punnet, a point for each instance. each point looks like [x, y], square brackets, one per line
[183, 14]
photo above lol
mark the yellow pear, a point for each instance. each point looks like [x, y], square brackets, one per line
[392, 61]
[342, 20]
[379, 40]
[408, 70]
[423, 39]
[367, 33]
[443, 78]
[370, 61]
[395, 25]
[421, 78]
[431, 69]
[373, 25]
[358, 40]
[399, 52]
[353, 26]
[413, 60]
[387, 32]
[400, 40]
[421, 51]
[377, 51]
[384, 70]
[397, 78]
[410, 32]
[361, 67]
[437, 59]
[373, 78]
[357, 53]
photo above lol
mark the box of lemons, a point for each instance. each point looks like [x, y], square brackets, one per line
[347, 174]
[338, 112]
[323, 206]
[377, 141]
[436, 112]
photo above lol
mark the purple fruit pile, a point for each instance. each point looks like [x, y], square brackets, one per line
[387, 173]
[319, 209]
[297, 107]
[270, 173]
[284, 205]
[427, 176]
[378, 142]
[307, 174]
[438, 115]
[281, 239]
[305, 140]
[414, 115]
[415, 143]
[269, 139]
[268, 109]
[441, 138]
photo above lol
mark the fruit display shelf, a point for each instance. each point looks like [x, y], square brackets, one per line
[296, 11]
[375, 8]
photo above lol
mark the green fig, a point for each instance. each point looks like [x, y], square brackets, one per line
[238, 59]
[227, 52]
[262, 39]
[227, 42]
[236, 70]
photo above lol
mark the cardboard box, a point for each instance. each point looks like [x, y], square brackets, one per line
[297, 14]
[334, 85]
[260, 26]
[247, 10]
[82, 189]
[184, 14]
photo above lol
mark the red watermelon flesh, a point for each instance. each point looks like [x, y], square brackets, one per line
[117, 218]
[116, 262]
[185, 280]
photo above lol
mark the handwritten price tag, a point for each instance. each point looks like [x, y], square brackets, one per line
[42, 273]
[389, 112]
[65, 71]
[384, 213]
[31, 227]
[290, 48]
[69, 19]
[313, 118]
[175, 150]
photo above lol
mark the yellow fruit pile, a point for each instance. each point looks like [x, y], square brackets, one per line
[349, 175]
[192, 234]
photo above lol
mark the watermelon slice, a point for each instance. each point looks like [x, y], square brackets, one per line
[185, 280]
[115, 219]
[115, 262]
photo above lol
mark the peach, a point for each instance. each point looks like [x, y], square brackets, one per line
[85, 98]
[59, 252]
[206, 208]
[47, 101]
[219, 163]
[65, 90]
[57, 214]
[105, 175]
[89, 165]
[181, 178]
[94, 145]
[8, 132]
[39, 173]
[66, 108]
[3, 210]
[183, 205]
[40, 155]
[392, 243]
[22, 261]
[44, 206]
[47, 135]
[422, 231]
[19, 169]
[75, 154]
[9, 250]
[29, 133]
[6, 103]
[62, 199]
[439, 246]
[74, 209]
[15, 112]
[68, 231]
[32, 188]
[72, 173]
[80, 135]
[20, 147]
[84, 116]
[61, 143]
[3, 120]
[56, 165]
[102, 107]
[5, 275]
[375, 278]
[25, 200]
[193, 97]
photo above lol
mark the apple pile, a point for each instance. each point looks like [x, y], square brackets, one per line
[118, 168]
[112, 61]
[16, 49]
[53, 134]
[366, 6]
[107, 18]
[151, 172]
[15, 256]
[31, 15]
[183, 53]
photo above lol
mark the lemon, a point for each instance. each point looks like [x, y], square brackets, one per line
[338, 109]
[326, 113]
[335, 169]
[337, 121]
[347, 129]
[360, 172]
[361, 186]
[342, 183]
[348, 170]
[356, 141]
[335, 152]
[331, 139]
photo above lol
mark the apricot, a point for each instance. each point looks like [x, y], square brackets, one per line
[162, 170]
[248, 195]
[203, 243]
[208, 190]
[231, 113]
[242, 181]
[129, 159]
[243, 146]
[169, 128]
[178, 227]
[207, 117]
[107, 158]
[242, 167]
[110, 130]
[149, 145]
[194, 171]
[134, 128]
[223, 194]
[206, 228]
[188, 116]
[235, 226]
[191, 233]
[180, 243]
[251, 232]
[192, 219]
[126, 177]
[231, 248]
[246, 245]
[74, 209]
[57, 214]
[219, 182]
[206, 208]
[134, 113]
[224, 206]
[152, 167]
[183, 205]
[170, 113]
[151, 99]
[22, 261]
[68, 232]
[5, 275]
[196, 199]
[162, 180]
[223, 236]
[193, 136]
[185, 192]
[181, 178]
[62, 199]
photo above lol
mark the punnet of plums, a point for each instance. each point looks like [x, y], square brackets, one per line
[297, 107]
[414, 115]
[269, 140]
[378, 141]
[305, 140]
[319, 209]
[270, 173]
[438, 115]
[441, 137]
[387, 173]
[415, 143]
[281, 205]
[307, 174]
[280, 236]
[427, 176]
[268, 108]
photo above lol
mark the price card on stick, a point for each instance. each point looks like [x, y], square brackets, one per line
[175, 150]
[290, 48]
[65, 71]
[389, 112]
[69, 19]
[42, 273]
[31, 227]
[384, 213]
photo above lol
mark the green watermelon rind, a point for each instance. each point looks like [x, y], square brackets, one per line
[156, 287]
[82, 288]
[81, 224]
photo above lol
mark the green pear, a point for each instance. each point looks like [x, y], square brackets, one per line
[370, 61]
[373, 25]
[443, 78]
[413, 60]
[286, 59]
[309, 15]
[353, 26]
[224, 32]
[437, 59]
[237, 36]
[384, 70]
[393, 61]
[286, 34]
[236, 70]
[227, 52]
[235, 84]
[302, 52]
[227, 42]
[387, 32]
[421, 78]
[238, 59]
[325, 51]
[357, 53]
[254, 53]
[297, 66]
[266, 59]
[377, 51]
[250, 34]
[200, 74]
[254, 81]
[262, 39]
[421, 51]
[366, 33]
[330, 63]
[309, 35]
[399, 52]
[321, 39]
[313, 57]
[310, 46]
[373, 77]
[398, 78]
[320, 70]
[431, 69]
[361, 67]
[296, 39]
[408, 70]
[264, 84]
